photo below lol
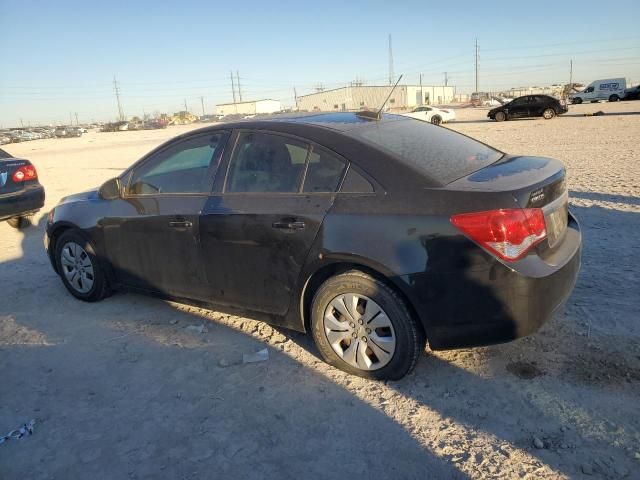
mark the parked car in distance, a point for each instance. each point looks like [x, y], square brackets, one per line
[370, 233]
[632, 93]
[611, 89]
[432, 114]
[67, 132]
[21, 195]
[4, 138]
[529, 106]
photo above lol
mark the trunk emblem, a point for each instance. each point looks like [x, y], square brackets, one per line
[3, 179]
[536, 196]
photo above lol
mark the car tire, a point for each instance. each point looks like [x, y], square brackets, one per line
[386, 350]
[548, 113]
[74, 253]
[436, 120]
[577, 101]
[19, 222]
[500, 117]
[614, 98]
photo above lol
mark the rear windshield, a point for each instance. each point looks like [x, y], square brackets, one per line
[442, 154]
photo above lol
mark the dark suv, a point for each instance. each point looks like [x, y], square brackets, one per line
[529, 106]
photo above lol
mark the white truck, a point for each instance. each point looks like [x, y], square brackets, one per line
[611, 89]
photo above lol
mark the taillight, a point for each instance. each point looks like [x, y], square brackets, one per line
[25, 173]
[508, 233]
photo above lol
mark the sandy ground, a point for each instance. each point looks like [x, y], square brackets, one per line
[122, 389]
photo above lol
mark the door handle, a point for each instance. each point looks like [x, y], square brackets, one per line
[289, 225]
[181, 224]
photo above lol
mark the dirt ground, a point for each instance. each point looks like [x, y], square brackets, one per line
[123, 389]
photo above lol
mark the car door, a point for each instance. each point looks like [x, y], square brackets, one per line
[537, 105]
[257, 232]
[151, 237]
[518, 108]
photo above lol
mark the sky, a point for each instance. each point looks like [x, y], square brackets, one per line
[60, 58]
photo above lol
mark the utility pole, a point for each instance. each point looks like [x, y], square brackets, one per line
[295, 96]
[239, 90]
[233, 87]
[202, 103]
[477, 59]
[185, 105]
[77, 123]
[391, 75]
[446, 79]
[421, 91]
[70, 119]
[570, 73]
[117, 90]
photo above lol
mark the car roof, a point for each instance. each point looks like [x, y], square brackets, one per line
[341, 121]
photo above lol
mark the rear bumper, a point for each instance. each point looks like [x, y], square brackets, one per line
[25, 202]
[485, 306]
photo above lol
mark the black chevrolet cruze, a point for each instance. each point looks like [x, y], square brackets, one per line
[374, 234]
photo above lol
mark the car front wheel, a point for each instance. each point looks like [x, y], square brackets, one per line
[362, 326]
[614, 98]
[436, 120]
[577, 101]
[79, 268]
[500, 117]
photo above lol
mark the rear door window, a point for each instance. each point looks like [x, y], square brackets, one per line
[438, 152]
[264, 162]
[323, 173]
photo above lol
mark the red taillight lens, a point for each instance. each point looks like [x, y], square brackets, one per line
[508, 233]
[24, 174]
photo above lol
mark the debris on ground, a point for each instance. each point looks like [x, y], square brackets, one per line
[197, 328]
[26, 429]
[224, 363]
[259, 356]
[538, 443]
[594, 114]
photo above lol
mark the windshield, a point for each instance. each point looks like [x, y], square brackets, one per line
[442, 154]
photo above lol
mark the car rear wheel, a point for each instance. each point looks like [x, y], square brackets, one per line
[436, 120]
[549, 113]
[500, 116]
[362, 326]
[79, 268]
[19, 222]
[614, 98]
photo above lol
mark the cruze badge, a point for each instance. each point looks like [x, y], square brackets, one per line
[3, 179]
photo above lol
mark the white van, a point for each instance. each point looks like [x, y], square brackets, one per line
[611, 89]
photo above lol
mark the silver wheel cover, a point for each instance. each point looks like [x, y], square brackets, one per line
[77, 267]
[359, 331]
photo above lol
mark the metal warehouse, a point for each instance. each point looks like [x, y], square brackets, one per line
[249, 108]
[358, 97]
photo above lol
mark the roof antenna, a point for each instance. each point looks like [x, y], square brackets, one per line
[378, 115]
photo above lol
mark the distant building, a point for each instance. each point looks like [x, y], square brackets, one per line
[358, 97]
[248, 108]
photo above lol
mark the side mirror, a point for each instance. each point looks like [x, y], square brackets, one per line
[110, 190]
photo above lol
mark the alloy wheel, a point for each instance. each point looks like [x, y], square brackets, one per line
[77, 267]
[359, 331]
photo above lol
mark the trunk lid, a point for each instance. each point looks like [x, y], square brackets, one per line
[8, 166]
[534, 182]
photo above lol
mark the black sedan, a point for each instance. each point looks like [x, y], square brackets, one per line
[21, 195]
[529, 106]
[373, 234]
